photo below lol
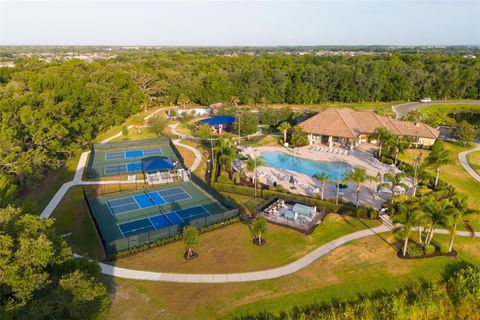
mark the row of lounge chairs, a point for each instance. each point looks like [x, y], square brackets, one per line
[330, 150]
[273, 208]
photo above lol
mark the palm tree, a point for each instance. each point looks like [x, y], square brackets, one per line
[238, 175]
[358, 176]
[225, 153]
[254, 163]
[190, 239]
[394, 181]
[323, 177]
[234, 100]
[438, 157]
[283, 128]
[400, 145]
[408, 218]
[436, 212]
[383, 137]
[456, 216]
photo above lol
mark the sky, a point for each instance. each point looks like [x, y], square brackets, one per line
[239, 23]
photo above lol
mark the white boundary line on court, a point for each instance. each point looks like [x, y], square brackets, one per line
[117, 165]
[114, 214]
[110, 152]
[133, 230]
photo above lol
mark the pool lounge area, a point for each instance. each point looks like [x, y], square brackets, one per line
[298, 216]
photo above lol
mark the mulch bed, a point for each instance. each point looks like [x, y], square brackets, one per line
[192, 256]
[255, 242]
[426, 256]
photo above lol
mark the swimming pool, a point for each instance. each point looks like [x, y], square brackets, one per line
[281, 160]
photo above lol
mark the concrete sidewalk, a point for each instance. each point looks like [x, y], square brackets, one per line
[462, 157]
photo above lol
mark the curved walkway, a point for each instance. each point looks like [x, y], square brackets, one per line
[211, 278]
[402, 109]
[173, 129]
[462, 157]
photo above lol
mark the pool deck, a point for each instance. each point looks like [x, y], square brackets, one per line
[306, 185]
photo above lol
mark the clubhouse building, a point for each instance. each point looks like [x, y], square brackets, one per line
[349, 128]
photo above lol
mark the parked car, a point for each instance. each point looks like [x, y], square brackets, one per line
[426, 100]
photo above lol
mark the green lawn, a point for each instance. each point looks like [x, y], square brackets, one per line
[474, 161]
[383, 108]
[361, 266]
[455, 175]
[438, 114]
[240, 255]
[72, 218]
[36, 198]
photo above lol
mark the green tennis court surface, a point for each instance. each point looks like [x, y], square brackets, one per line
[131, 219]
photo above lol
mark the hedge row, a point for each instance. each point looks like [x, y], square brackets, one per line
[129, 251]
[267, 194]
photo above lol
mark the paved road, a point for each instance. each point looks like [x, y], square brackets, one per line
[402, 109]
[462, 157]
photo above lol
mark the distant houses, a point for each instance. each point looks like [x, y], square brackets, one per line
[348, 128]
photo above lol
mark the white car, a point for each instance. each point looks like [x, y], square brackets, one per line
[426, 100]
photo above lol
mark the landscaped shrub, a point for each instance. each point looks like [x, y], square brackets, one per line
[224, 178]
[415, 251]
[368, 213]
[429, 249]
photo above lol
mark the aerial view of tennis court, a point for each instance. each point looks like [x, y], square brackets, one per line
[130, 219]
[130, 157]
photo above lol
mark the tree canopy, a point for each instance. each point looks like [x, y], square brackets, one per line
[40, 278]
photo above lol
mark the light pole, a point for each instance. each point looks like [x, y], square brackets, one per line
[254, 174]
[416, 162]
[213, 156]
[338, 186]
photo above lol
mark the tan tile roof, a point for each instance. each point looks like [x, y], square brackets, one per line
[349, 123]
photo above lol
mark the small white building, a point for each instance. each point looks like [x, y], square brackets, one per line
[196, 112]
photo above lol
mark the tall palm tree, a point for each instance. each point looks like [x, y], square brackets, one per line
[394, 181]
[383, 137]
[283, 128]
[238, 175]
[407, 218]
[438, 157]
[323, 177]
[400, 145]
[254, 163]
[225, 154]
[456, 216]
[436, 212]
[358, 176]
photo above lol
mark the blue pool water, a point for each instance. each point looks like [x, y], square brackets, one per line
[281, 160]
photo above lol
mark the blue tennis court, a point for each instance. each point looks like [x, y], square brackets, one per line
[131, 154]
[146, 200]
[161, 221]
[120, 168]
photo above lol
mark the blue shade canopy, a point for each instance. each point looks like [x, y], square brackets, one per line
[157, 164]
[217, 120]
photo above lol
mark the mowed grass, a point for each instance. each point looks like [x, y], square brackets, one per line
[359, 267]
[37, 196]
[230, 249]
[455, 175]
[438, 113]
[474, 161]
[383, 108]
[73, 220]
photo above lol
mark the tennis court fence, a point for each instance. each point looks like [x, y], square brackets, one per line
[138, 240]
